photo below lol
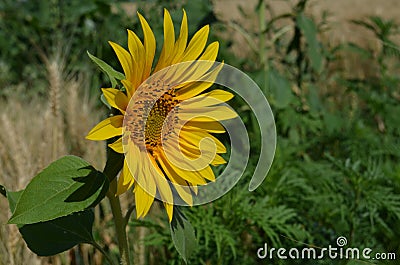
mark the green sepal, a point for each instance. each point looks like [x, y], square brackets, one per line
[183, 235]
[112, 74]
[114, 164]
[104, 101]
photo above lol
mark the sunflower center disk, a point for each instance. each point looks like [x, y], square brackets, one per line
[148, 121]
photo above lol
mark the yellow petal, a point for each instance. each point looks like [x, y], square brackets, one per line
[190, 153]
[208, 173]
[135, 46]
[192, 177]
[125, 180]
[137, 50]
[190, 150]
[187, 74]
[218, 160]
[194, 138]
[116, 98]
[169, 208]
[161, 182]
[210, 125]
[129, 87]
[143, 201]
[199, 159]
[124, 58]
[180, 74]
[149, 46]
[132, 157]
[146, 176]
[169, 41]
[211, 52]
[107, 128]
[219, 113]
[195, 189]
[196, 44]
[214, 97]
[180, 44]
[117, 146]
[128, 177]
[184, 74]
[145, 187]
[180, 184]
[191, 89]
[164, 189]
[188, 160]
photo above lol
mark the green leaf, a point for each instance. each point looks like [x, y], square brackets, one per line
[61, 234]
[309, 30]
[112, 74]
[280, 89]
[333, 123]
[313, 99]
[68, 185]
[183, 235]
[13, 197]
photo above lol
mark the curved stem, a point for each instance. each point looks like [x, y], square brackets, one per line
[128, 213]
[108, 258]
[120, 225]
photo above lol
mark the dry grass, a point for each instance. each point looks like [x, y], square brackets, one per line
[35, 133]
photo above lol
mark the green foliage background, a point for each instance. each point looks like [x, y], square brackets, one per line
[336, 170]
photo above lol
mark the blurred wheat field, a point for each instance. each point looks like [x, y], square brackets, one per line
[35, 133]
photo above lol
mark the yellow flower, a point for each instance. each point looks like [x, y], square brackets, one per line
[157, 156]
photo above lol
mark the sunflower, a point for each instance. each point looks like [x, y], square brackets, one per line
[164, 118]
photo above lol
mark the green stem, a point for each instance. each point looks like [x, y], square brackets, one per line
[262, 53]
[120, 226]
[128, 213]
[105, 254]
[262, 44]
[262, 27]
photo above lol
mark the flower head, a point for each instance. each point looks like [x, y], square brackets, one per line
[164, 117]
